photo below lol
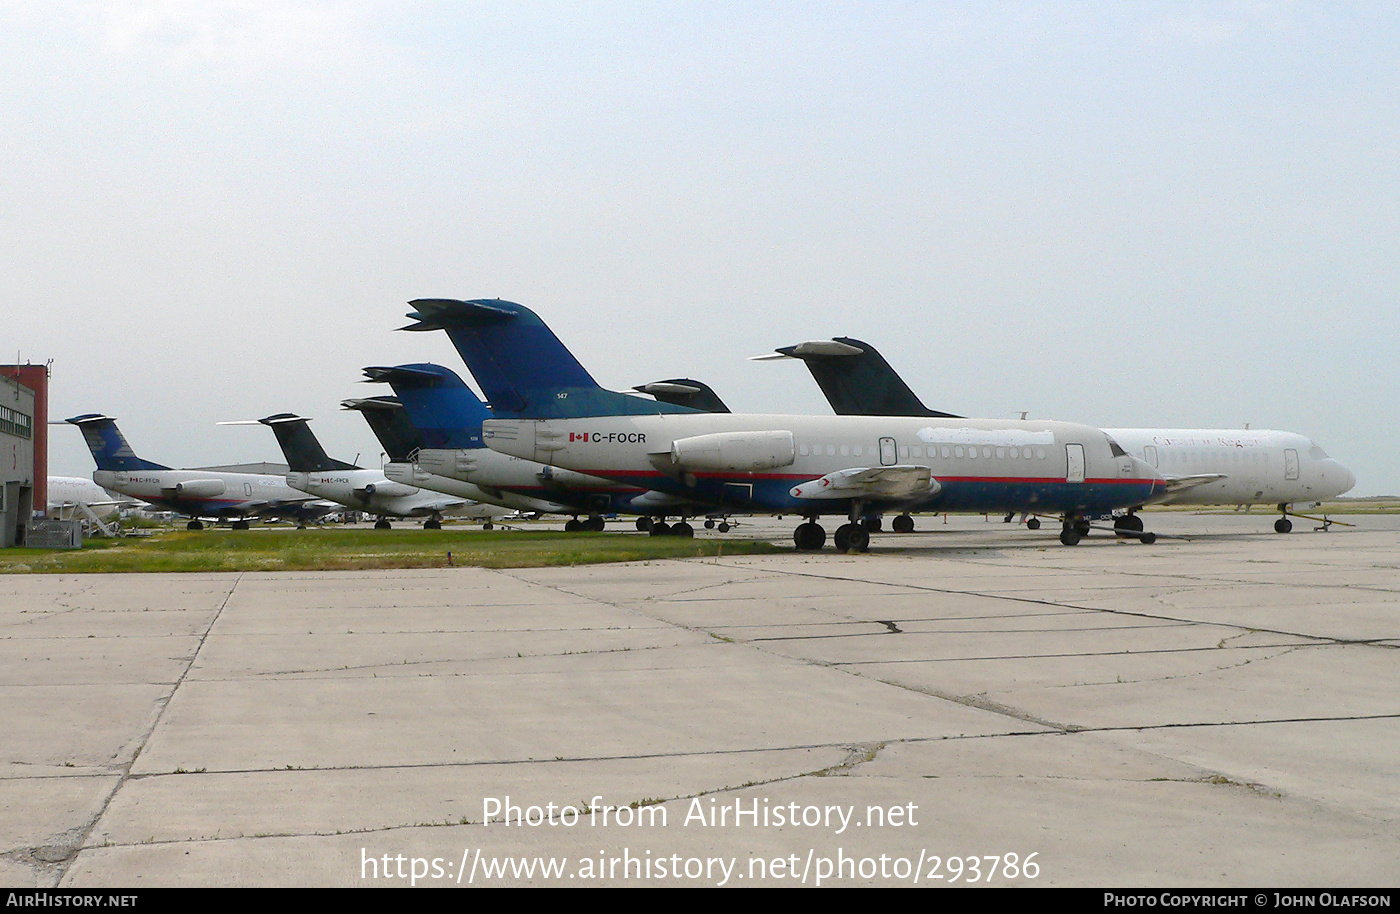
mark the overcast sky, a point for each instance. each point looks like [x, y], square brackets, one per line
[1127, 214]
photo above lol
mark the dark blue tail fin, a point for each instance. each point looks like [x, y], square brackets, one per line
[440, 406]
[520, 364]
[857, 381]
[108, 445]
[389, 421]
[685, 392]
[303, 452]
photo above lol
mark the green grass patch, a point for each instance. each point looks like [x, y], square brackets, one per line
[339, 549]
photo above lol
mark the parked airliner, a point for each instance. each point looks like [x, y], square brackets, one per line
[450, 416]
[401, 439]
[311, 470]
[1210, 466]
[197, 493]
[550, 410]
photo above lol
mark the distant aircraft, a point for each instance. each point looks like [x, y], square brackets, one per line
[311, 470]
[195, 493]
[449, 416]
[1202, 466]
[401, 440]
[69, 494]
[550, 410]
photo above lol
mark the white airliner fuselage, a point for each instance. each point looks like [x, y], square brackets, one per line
[416, 474]
[66, 493]
[374, 493]
[814, 465]
[203, 493]
[507, 474]
[1258, 466]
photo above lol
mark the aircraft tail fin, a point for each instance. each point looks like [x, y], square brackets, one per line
[303, 452]
[441, 407]
[108, 444]
[389, 421]
[857, 381]
[685, 392]
[522, 367]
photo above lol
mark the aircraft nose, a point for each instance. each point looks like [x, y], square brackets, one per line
[1348, 478]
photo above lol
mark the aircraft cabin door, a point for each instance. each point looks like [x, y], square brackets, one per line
[888, 452]
[1149, 456]
[1075, 455]
[1290, 463]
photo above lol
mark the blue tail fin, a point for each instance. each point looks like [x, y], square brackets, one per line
[303, 452]
[857, 381]
[389, 421]
[441, 407]
[108, 445]
[520, 364]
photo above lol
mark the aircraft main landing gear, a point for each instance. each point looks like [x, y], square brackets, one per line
[809, 537]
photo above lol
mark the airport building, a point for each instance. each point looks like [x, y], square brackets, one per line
[18, 474]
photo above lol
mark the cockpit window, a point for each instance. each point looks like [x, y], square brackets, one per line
[1317, 453]
[1115, 449]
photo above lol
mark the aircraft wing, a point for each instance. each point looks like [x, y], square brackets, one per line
[1177, 484]
[895, 483]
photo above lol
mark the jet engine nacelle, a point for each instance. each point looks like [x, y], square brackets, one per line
[734, 451]
[388, 489]
[198, 488]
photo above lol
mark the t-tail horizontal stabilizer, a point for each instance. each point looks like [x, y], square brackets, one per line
[685, 392]
[522, 367]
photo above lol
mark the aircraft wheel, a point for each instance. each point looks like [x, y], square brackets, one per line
[842, 539]
[724, 526]
[301, 526]
[660, 528]
[487, 526]
[1082, 527]
[809, 537]
[594, 524]
[683, 530]
[709, 523]
[432, 524]
[239, 525]
[194, 525]
[1127, 525]
[1283, 525]
[1033, 524]
[573, 526]
[903, 524]
[1069, 536]
[643, 523]
[859, 540]
[1148, 539]
[873, 523]
[383, 524]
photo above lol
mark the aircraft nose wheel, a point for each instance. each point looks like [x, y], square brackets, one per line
[1283, 525]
